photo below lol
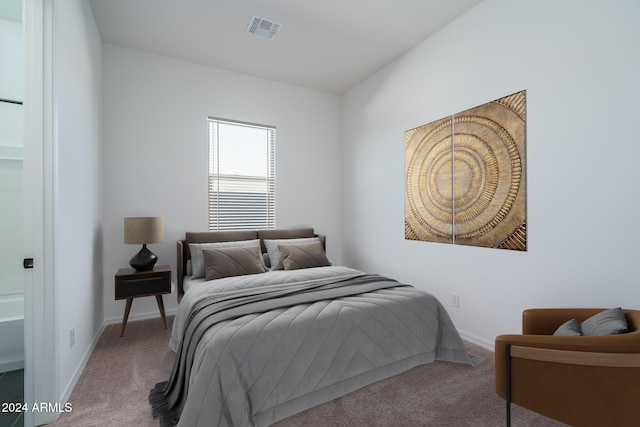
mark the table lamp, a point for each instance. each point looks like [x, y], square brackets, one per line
[143, 230]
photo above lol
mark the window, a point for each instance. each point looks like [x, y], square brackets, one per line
[241, 176]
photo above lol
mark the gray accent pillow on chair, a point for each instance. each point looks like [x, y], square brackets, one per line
[570, 328]
[303, 255]
[234, 261]
[608, 322]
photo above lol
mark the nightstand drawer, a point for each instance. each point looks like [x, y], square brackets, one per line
[141, 284]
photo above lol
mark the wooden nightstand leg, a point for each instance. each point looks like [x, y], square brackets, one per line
[126, 315]
[161, 307]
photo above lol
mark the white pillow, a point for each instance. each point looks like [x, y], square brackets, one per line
[197, 259]
[274, 253]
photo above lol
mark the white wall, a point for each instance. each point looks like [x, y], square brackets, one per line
[579, 62]
[77, 186]
[155, 158]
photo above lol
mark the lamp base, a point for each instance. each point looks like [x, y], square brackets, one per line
[143, 260]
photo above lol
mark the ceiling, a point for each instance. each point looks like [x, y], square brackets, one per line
[327, 45]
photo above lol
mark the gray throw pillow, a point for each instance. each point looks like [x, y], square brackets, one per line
[608, 322]
[303, 255]
[197, 261]
[234, 261]
[570, 328]
[274, 253]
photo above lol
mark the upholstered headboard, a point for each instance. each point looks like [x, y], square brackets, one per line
[230, 236]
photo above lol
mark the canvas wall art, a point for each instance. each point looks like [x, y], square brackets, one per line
[465, 177]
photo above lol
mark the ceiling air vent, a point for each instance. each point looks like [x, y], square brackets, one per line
[263, 28]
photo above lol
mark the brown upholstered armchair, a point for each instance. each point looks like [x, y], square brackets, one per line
[578, 380]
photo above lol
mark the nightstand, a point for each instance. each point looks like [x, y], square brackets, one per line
[130, 284]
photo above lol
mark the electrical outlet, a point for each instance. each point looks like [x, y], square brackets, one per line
[72, 337]
[455, 300]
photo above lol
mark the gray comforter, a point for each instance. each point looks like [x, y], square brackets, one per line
[253, 350]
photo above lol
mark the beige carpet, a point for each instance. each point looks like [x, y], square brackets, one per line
[112, 391]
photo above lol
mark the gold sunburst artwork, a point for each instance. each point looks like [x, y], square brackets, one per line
[465, 177]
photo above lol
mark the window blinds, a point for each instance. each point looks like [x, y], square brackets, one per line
[241, 176]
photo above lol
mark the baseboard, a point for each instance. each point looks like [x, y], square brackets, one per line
[83, 363]
[141, 316]
[11, 365]
[476, 340]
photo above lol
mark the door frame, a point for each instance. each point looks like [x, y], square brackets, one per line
[41, 379]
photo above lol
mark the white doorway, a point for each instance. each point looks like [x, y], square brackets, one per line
[39, 321]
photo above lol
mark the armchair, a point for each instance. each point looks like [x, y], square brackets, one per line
[578, 380]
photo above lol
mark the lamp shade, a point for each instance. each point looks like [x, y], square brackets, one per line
[141, 230]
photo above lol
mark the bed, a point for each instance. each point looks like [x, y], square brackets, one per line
[267, 327]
